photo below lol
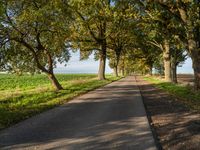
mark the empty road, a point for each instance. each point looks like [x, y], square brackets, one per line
[111, 118]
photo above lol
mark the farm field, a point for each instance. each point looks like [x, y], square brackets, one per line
[24, 96]
[187, 79]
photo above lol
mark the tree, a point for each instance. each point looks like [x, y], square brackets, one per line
[161, 34]
[34, 36]
[187, 13]
[91, 28]
[178, 56]
[121, 35]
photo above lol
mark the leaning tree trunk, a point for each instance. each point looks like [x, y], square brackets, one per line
[167, 62]
[102, 62]
[48, 71]
[54, 81]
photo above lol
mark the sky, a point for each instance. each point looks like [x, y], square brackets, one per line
[85, 66]
[91, 66]
[186, 67]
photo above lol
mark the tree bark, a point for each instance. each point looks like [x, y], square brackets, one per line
[123, 71]
[193, 49]
[54, 81]
[102, 62]
[167, 61]
[174, 72]
[150, 71]
[48, 71]
[116, 71]
[194, 52]
[195, 56]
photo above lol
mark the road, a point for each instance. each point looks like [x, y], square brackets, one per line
[112, 117]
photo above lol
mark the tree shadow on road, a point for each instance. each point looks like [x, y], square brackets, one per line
[74, 126]
[177, 127]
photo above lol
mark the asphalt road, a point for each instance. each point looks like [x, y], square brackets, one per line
[111, 118]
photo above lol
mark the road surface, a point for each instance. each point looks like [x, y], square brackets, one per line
[111, 118]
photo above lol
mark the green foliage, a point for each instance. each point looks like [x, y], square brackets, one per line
[24, 96]
[34, 37]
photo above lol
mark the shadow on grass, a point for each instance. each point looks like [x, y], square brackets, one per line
[175, 124]
[108, 120]
[15, 109]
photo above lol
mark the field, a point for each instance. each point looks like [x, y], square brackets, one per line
[186, 79]
[24, 96]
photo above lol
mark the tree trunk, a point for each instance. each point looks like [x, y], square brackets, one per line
[54, 81]
[116, 71]
[116, 66]
[174, 72]
[123, 71]
[195, 56]
[194, 51]
[150, 71]
[167, 61]
[102, 62]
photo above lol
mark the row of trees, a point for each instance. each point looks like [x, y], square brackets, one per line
[167, 32]
[134, 35]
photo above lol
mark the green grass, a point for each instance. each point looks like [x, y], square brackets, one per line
[24, 96]
[183, 93]
[10, 82]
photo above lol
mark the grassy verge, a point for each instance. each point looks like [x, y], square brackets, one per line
[24, 96]
[183, 93]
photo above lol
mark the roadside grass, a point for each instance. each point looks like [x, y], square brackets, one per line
[25, 96]
[183, 93]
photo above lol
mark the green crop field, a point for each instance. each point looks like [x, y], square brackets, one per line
[24, 96]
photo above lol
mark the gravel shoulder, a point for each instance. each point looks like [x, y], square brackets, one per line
[174, 124]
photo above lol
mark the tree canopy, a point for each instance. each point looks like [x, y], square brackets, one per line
[135, 36]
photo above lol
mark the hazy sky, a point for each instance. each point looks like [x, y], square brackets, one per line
[85, 66]
[91, 66]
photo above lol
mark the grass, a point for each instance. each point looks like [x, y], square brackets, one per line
[183, 93]
[24, 96]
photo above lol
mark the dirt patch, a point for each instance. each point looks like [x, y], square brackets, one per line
[175, 126]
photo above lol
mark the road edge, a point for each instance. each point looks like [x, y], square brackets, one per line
[153, 131]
